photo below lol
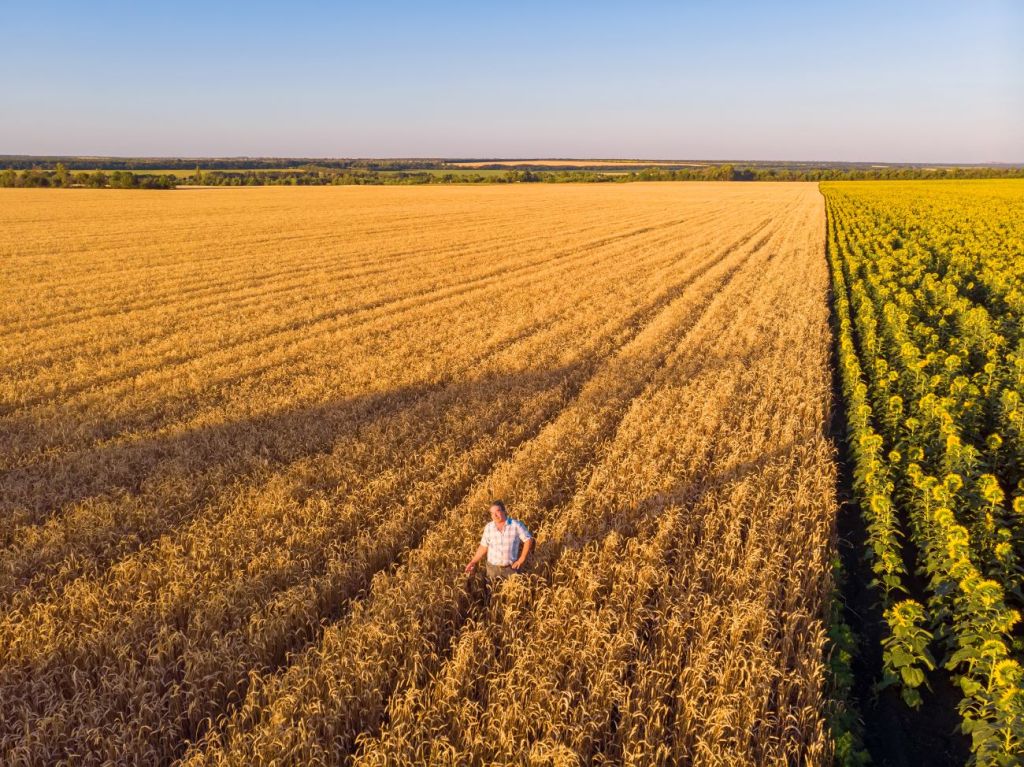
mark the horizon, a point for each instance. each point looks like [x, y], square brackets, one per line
[524, 160]
[937, 83]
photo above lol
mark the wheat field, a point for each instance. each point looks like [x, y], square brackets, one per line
[248, 438]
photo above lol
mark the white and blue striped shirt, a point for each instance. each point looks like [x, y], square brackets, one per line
[503, 546]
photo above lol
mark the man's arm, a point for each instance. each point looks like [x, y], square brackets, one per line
[481, 552]
[527, 545]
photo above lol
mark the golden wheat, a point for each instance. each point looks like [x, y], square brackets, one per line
[248, 436]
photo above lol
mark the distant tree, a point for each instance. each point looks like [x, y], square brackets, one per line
[718, 173]
[61, 176]
[122, 179]
[33, 178]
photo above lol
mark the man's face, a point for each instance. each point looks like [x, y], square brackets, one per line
[497, 515]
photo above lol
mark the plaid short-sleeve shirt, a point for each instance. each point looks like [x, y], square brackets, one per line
[503, 546]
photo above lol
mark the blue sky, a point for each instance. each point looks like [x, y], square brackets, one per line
[935, 81]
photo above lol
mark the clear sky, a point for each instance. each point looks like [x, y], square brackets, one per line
[921, 81]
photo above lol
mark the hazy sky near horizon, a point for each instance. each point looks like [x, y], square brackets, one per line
[915, 81]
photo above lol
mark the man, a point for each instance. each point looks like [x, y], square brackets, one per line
[506, 543]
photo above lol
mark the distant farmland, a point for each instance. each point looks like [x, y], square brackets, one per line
[569, 164]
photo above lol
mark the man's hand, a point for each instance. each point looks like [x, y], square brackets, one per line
[481, 552]
[517, 564]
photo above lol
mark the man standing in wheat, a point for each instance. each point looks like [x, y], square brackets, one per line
[506, 543]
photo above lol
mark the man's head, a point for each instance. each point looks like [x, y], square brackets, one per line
[498, 512]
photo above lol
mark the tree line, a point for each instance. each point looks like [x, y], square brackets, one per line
[324, 175]
[60, 176]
